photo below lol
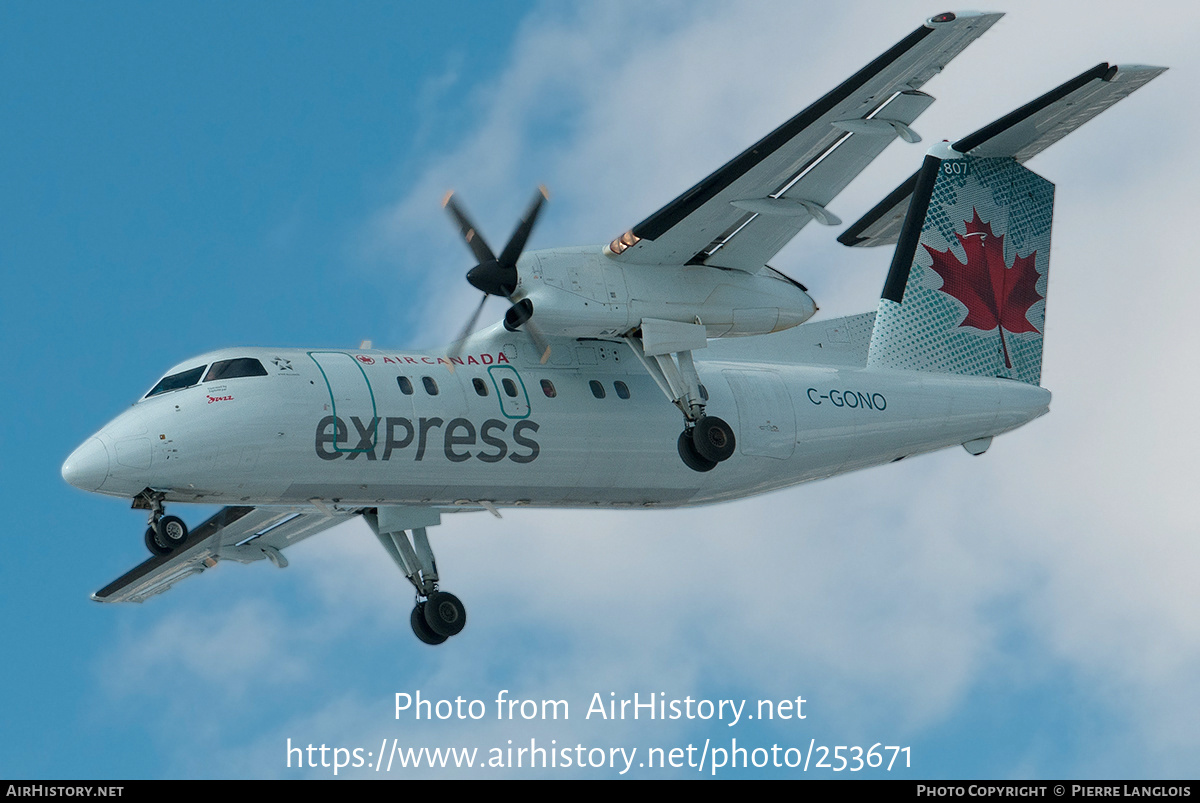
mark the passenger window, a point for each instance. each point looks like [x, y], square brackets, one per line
[430, 386]
[597, 389]
[183, 379]
[548, 389]
[480, 386]
[405, 385]
[232, 369]
[622, 389]
[510, 387]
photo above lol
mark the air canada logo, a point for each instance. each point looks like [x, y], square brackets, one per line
[995, 295]
[365, 360]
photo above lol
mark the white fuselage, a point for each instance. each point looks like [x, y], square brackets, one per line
[337, 426]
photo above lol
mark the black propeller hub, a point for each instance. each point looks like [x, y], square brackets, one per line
[493, 278]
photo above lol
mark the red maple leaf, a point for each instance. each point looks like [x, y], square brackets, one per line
[996, 296]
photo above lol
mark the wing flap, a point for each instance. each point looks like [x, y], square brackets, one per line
[1021, 135]
[242, 534]
[817, 184]
[684, 229]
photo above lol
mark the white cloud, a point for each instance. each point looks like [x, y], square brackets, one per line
[225, 650]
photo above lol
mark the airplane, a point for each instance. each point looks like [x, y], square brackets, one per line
[671, 367]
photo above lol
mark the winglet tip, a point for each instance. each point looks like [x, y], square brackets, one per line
[1129, 69]
[947, 17]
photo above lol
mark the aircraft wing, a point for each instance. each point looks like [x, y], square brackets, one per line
[243, 534]
[1021, 134]
[741, 215]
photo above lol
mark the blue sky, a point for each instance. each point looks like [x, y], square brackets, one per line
[179, 178]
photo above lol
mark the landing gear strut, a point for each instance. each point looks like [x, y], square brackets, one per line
[164, 533]
[665, 349]
[437, 615]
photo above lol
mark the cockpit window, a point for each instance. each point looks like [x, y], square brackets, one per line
[232, 369]
[183, 379]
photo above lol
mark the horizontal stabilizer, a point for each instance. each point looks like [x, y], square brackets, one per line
[1020, 135]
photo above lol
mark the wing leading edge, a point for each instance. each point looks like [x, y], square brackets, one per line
[744, 213]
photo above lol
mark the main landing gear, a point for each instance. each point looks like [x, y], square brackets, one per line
[665, 349]
[437, 615]
[164, 533]
[707, 442]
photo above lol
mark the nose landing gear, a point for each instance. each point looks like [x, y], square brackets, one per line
[155, 542]
[165, 533]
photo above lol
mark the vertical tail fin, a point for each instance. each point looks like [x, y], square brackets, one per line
[966, 293]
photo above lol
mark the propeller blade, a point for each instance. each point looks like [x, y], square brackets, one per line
[498, 277]
[470, 327]
[539, 340]
[474, 239]
[508, 257]
[455, 349]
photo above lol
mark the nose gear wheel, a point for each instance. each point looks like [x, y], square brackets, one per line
[155, 542]
[173, 530]
[165, 533]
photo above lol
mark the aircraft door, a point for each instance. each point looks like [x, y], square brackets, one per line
[351, 400]
[765, 413]
[514, 400]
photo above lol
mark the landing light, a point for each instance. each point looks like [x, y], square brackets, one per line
[626, 240]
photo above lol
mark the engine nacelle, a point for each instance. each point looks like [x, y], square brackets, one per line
[581, 292]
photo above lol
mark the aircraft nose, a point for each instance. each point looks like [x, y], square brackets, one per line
[87, 467]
